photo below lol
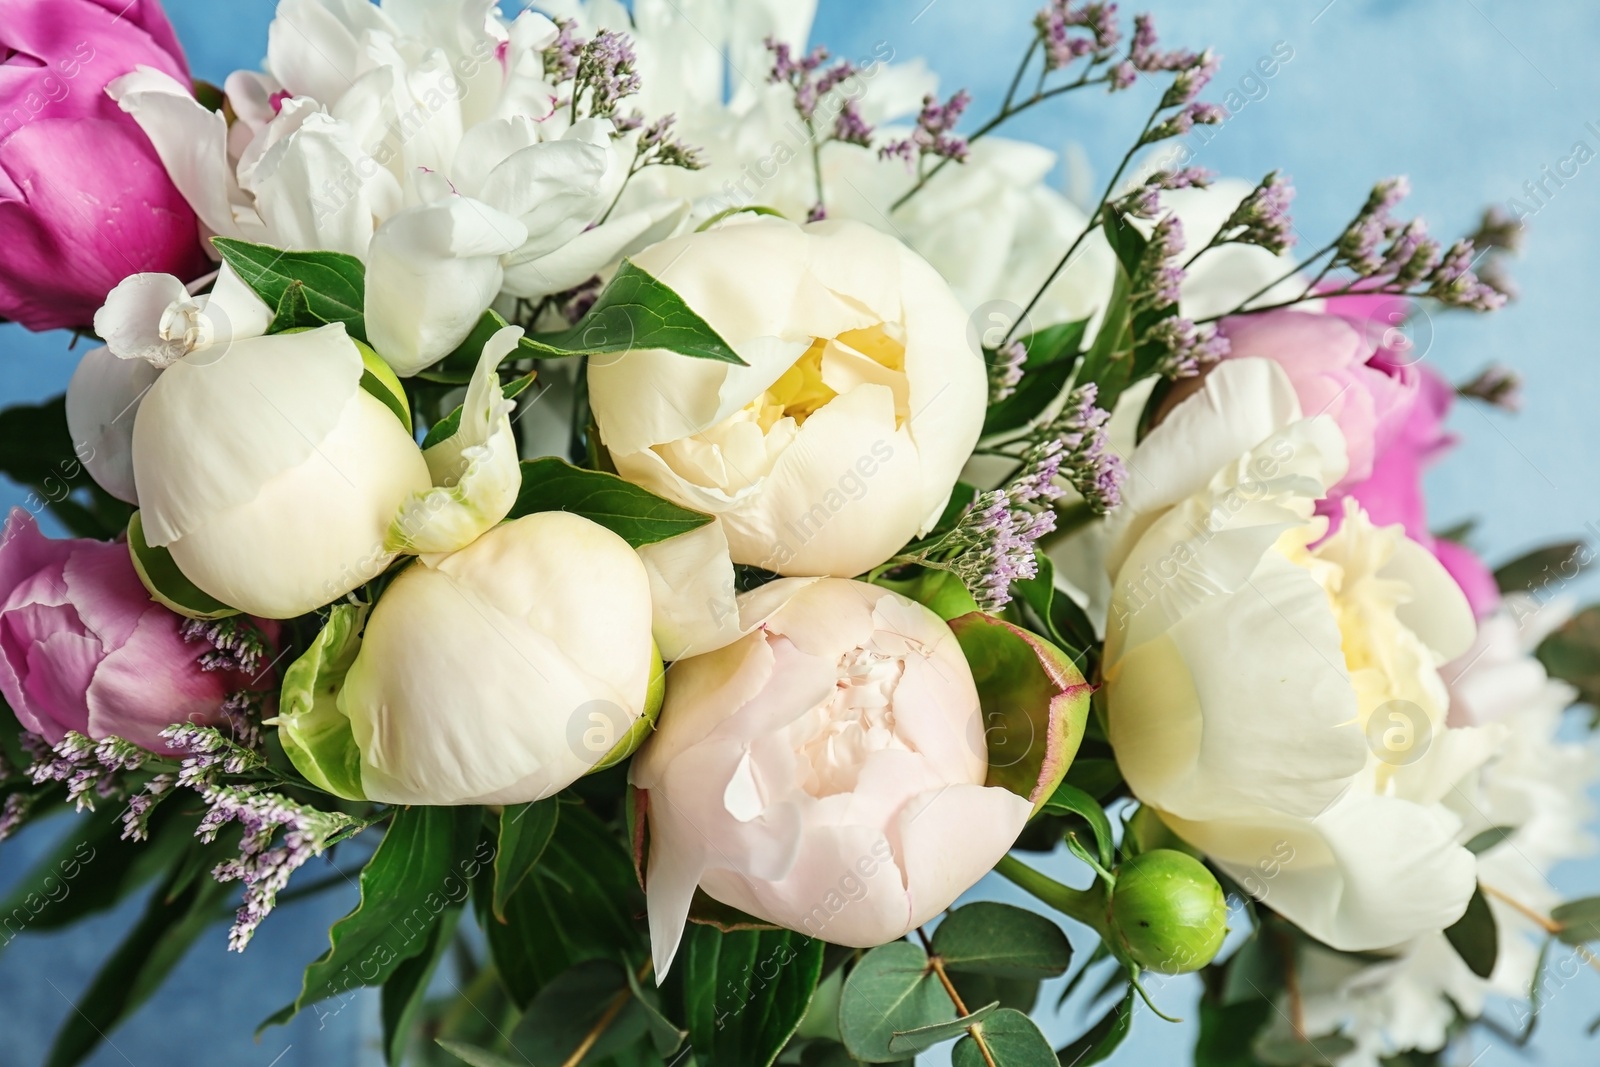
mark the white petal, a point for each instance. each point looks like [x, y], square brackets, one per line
[592, 251]
[314, 46]
[432, 273]
[692, 589]
[317, 189]
[102, 400]
[130, 320]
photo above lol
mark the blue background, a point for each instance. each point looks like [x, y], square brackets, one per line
[1470, 98]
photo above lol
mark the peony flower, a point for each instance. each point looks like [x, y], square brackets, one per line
[843, 437]
[1350, 362]
[534, 665]
[1537, 784]
[825, 772]
[270, 474]
[83, 648]
[1271, 699]
[84, 199]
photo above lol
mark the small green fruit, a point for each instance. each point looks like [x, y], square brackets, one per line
[1166, 912]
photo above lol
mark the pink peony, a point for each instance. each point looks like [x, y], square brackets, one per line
[1349, 362]
[84, 200]
[83, 647]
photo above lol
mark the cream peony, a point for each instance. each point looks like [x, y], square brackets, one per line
[825, 772]
[269, 473]
[478, 683]
[843, 437]
[1271, 699]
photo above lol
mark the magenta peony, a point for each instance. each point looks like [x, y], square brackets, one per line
[84, 648]
[84, 200]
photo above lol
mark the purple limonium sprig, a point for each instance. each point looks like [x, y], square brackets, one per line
[932, 135]
[1061, 46]
[799, 73]
[1187, 348]
[608, 71]
[1497, 385]
[1158, 279]
[996, 547]
[136, 818]
[1005, 371]
[561, 58]
[1200, 113]
[206, 754]
[262, 865]
[13, 813]
[1145, 201]
[236, 643]
[1262, 217]
[1088, 463]
[89, 768]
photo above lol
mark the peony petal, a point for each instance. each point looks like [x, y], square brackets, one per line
[131, 318]
[102, 403]
[154, 681]
[692, 590]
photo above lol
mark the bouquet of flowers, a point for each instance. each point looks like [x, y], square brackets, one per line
[679, 508]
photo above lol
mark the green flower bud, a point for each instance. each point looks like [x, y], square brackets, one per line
[1166, 912]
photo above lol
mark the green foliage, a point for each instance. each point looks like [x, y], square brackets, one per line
[166, 583]
[891, 990]
[1068, 799]
[580, 902]
[404, 994]
[304, 288]
[525, 831]
[1013, 1040]
[636, 515]
[1003, 941]
[1579, 920]
[1547, 565]
[743, 993]
[1475, 936]
[1052, 353]
[1572, 654]
[422, 869]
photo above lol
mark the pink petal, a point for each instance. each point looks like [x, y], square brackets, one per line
[152, 682]
[59, 670]
[106, 591]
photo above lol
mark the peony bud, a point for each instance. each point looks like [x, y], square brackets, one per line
[497, 674]
[270, 474]
[826, 772]
[1166, 912]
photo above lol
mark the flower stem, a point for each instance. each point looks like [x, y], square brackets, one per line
[1088, 906]
[937, 966]
[613, 1009]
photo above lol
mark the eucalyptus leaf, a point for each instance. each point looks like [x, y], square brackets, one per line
[1019, 993]
[891, 990]
[925, 1037]
[987, 937]
[1579, 920]
[1543, 567]
[333, 284]
[525, 830]
[422, 868]
[573, 1004]
[1475, 936]
[1013, 1039]
[636, 515]
[1485, 840]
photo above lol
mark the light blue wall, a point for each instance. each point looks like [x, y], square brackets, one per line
[1469, 97]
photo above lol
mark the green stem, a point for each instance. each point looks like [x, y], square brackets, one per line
[1088, 906]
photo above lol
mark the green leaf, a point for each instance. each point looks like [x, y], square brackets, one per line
[1109, 361]
[1579, 920]
[166, 583]
[1475, 936]
[1125, 240]
[423, 866]
[38, 452]
[637, 311]
[315, 734]
[1228, 1033]
[925, 1037]
[580, 902]
[1013, 1039]
[1035, 704]
[1052, 354]
[1550, 565]
[1070, 800]
[744, 993]
[636, 515]
[833, 1054]
[1095, 776]
[1572, 654]
[406, 991]
[891, 990]
[1485, 840]
[446, 427]
[1001, 940]
[570, 1006]
[1061, 618]
[334, 284]
[294, 311]
[476, 1057]
[1103, 1038]
[379, 379]
[525, 830]
[457, 367]
[155, 945]
[1019, 993]
[665, 1035]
